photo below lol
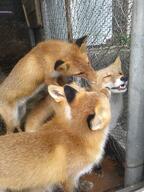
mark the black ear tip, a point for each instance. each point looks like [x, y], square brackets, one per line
[81, 40]
[58, 63]
[70, 93]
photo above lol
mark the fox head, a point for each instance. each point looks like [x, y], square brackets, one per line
[74, 60]
[112, 77]
[90, 110]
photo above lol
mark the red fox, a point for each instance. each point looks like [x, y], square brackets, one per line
[44, 63]
[42, 112]
[111, 77]
[63, 152]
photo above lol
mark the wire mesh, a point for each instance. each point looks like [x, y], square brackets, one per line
[106, 22]
[108, 26]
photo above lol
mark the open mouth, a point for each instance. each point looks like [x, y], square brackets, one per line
[121, 87]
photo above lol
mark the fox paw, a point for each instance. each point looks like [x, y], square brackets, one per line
[98, 171]
[85, 186]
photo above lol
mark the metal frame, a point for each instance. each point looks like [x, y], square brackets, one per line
[135, 139]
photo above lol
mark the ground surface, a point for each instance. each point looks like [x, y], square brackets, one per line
[111, 179]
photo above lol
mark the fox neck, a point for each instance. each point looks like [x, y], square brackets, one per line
[80, 127]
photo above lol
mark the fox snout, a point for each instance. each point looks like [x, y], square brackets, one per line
[124, 78]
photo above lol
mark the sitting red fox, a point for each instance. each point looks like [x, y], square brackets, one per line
[111, 77]
[44, 63]
[64, 151]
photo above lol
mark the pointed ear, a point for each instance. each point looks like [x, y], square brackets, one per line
[102, 117]
[57, 64]
[81, 40]
[117, 62]
[61, 66]
[83, 48]
[56, 92]
[70, 93]
[96, 124]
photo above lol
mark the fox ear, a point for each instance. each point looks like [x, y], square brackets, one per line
[61, 66]
[101, 119]
[70, 93]
[57, 64]
[117, 62]
[96, 124]
[81, 40]
[83, 48]
[56, 92]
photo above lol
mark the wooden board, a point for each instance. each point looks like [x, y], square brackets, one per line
[33, 11]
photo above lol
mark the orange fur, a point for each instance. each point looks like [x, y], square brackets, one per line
[109, 74]
[37, 67]
[103, 77]
[41, 113]
[38, 115]
[62, 152]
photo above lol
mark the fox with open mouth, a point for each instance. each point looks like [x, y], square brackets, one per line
[111, 77]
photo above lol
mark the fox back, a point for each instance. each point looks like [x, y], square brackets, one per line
[64, 151]
[43, 64]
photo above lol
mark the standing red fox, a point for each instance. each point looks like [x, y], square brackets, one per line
[43, 63]
[111, 77]
[64, 151]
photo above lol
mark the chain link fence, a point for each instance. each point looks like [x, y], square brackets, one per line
[106, 22]
[108, 26]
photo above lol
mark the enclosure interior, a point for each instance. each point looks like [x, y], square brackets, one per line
[107, 24]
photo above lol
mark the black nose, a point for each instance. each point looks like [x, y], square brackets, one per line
[124, 79]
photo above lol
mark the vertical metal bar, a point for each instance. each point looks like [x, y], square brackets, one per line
[68, 19]
[135, 139]
[31, 33]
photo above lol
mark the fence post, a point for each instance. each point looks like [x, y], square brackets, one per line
[135, 138]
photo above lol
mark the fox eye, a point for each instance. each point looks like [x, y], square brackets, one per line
[120, 73]
[107, 76]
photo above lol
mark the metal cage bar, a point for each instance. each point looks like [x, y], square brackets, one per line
[135, 139]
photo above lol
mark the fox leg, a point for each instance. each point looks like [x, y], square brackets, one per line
[9, 117]
[38, 115]
[3, 190]
[19, 129]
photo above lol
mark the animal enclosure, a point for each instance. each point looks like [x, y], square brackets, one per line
[108, 26]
